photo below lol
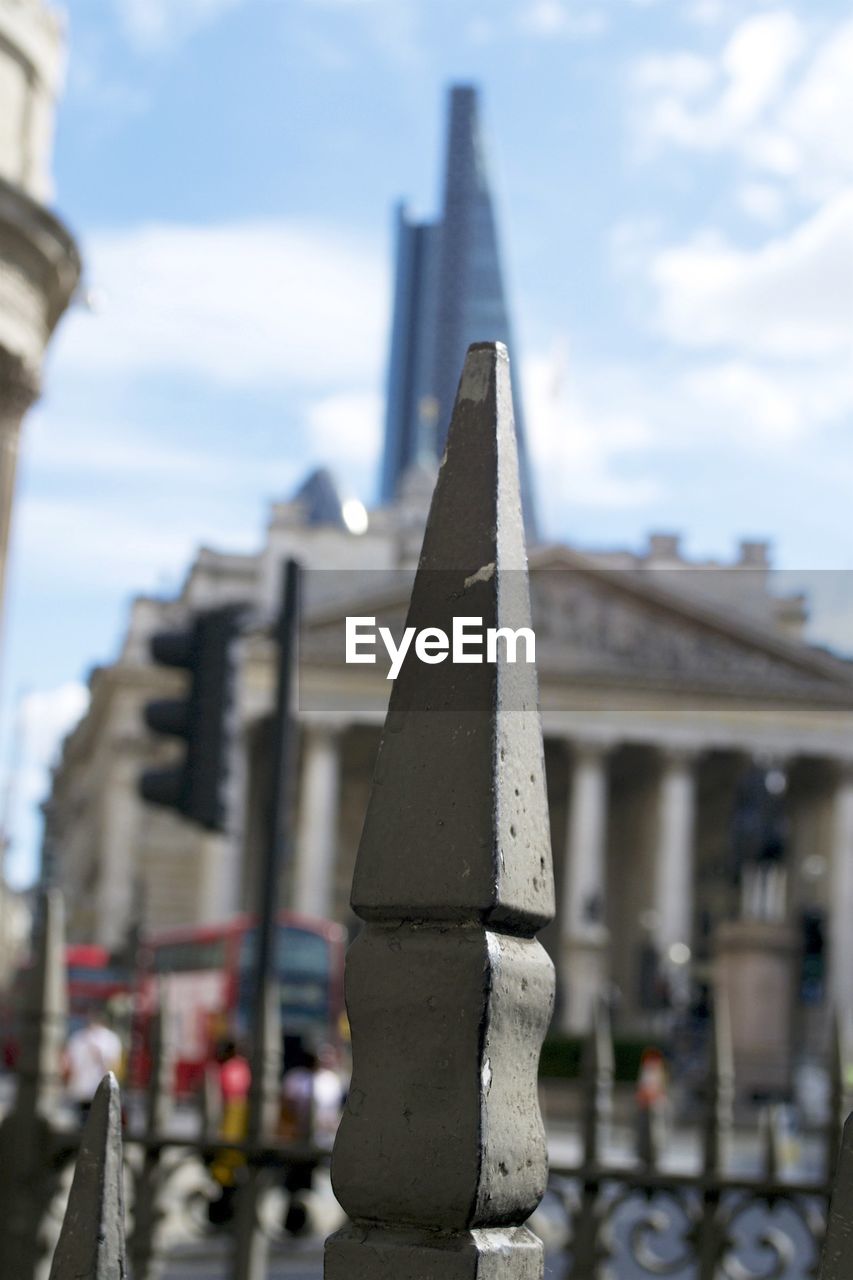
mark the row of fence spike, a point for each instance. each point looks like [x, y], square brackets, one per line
[103, 1138]
[92, 1241]
[597, 1076]
[91, 1229]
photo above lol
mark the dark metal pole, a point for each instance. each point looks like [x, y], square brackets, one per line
[277, 844]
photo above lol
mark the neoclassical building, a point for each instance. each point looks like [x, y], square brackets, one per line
[39, 271]
[39, 262]
[692, 738]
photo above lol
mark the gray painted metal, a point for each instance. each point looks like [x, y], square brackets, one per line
[91, 1243]
[837, 1260]
[45, 1014]
[149, 1177]
[440, 1157]
[29, 1168]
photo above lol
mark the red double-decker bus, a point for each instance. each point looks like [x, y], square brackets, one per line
[95, 982]
[203, 976]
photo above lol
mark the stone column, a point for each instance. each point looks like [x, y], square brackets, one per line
[117, 879]
[674, 861]
[584, 936]
[841, 896]
[18, 390]
[317, 832]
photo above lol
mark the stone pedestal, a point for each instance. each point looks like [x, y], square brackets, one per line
[755, 969]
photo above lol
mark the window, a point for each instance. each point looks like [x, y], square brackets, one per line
[189, 955]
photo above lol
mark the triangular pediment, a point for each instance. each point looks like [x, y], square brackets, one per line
[624, 626]
[628, 626]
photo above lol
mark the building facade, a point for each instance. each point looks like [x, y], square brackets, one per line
[39, 262]
[448, 292]
[669, 692]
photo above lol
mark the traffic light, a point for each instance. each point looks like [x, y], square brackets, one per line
[195, 785]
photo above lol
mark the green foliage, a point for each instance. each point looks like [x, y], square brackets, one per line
[562, 1055]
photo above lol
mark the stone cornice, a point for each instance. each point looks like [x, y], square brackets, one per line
[19, 383]
[50, 240]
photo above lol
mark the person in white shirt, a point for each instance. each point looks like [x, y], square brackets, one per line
[90, 1053]
[312, 1097]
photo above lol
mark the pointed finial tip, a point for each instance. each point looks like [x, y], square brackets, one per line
[109, 1086]
[499, 349]
[478, 372]
[91, 1242]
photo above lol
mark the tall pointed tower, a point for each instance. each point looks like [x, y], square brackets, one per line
[39, 263]
[449, 292]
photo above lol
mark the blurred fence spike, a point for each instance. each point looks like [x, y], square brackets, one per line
[837, 1259]
[597, 1088]
[711, 1235]
[650, 1135]
[144, 1245]
[773, 1143]
[251, 1244]
[30, 1172]
[721, 1083]
[91, 1243]
[44, 1013]
[839, 1092]
[158, 1095]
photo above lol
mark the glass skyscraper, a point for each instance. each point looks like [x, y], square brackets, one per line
[448, 293]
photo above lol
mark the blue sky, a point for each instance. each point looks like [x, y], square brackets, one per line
[675, 196]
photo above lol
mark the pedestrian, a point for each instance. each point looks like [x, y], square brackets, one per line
[652, 1100]
[312, 1097]
[90, 1053]
[234, 1078]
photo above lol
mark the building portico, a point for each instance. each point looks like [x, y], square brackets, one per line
[677, 709]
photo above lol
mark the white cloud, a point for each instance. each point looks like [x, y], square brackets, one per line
[118, 546]
[59, 447]
[44, 717]
[779, 95]
[346, 429]
[549, 18]
[742, 393]
[267, 303]
[763, 202]
[817, 117]
[153, 25]
[683, 74]
[746, 80]
[761, 339]
[788, 298]
[577, 446]
[158, 498]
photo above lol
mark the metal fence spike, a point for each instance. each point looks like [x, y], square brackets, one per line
[251, 1242]
[91, 1243]
[459, 782]
[441, 1148]
[597, 1075]
[721, 1082]
[839, 1093]
[837, 1259]
[773, 1143]
[158, 1095]
[45, 1011]
[650, 1138]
